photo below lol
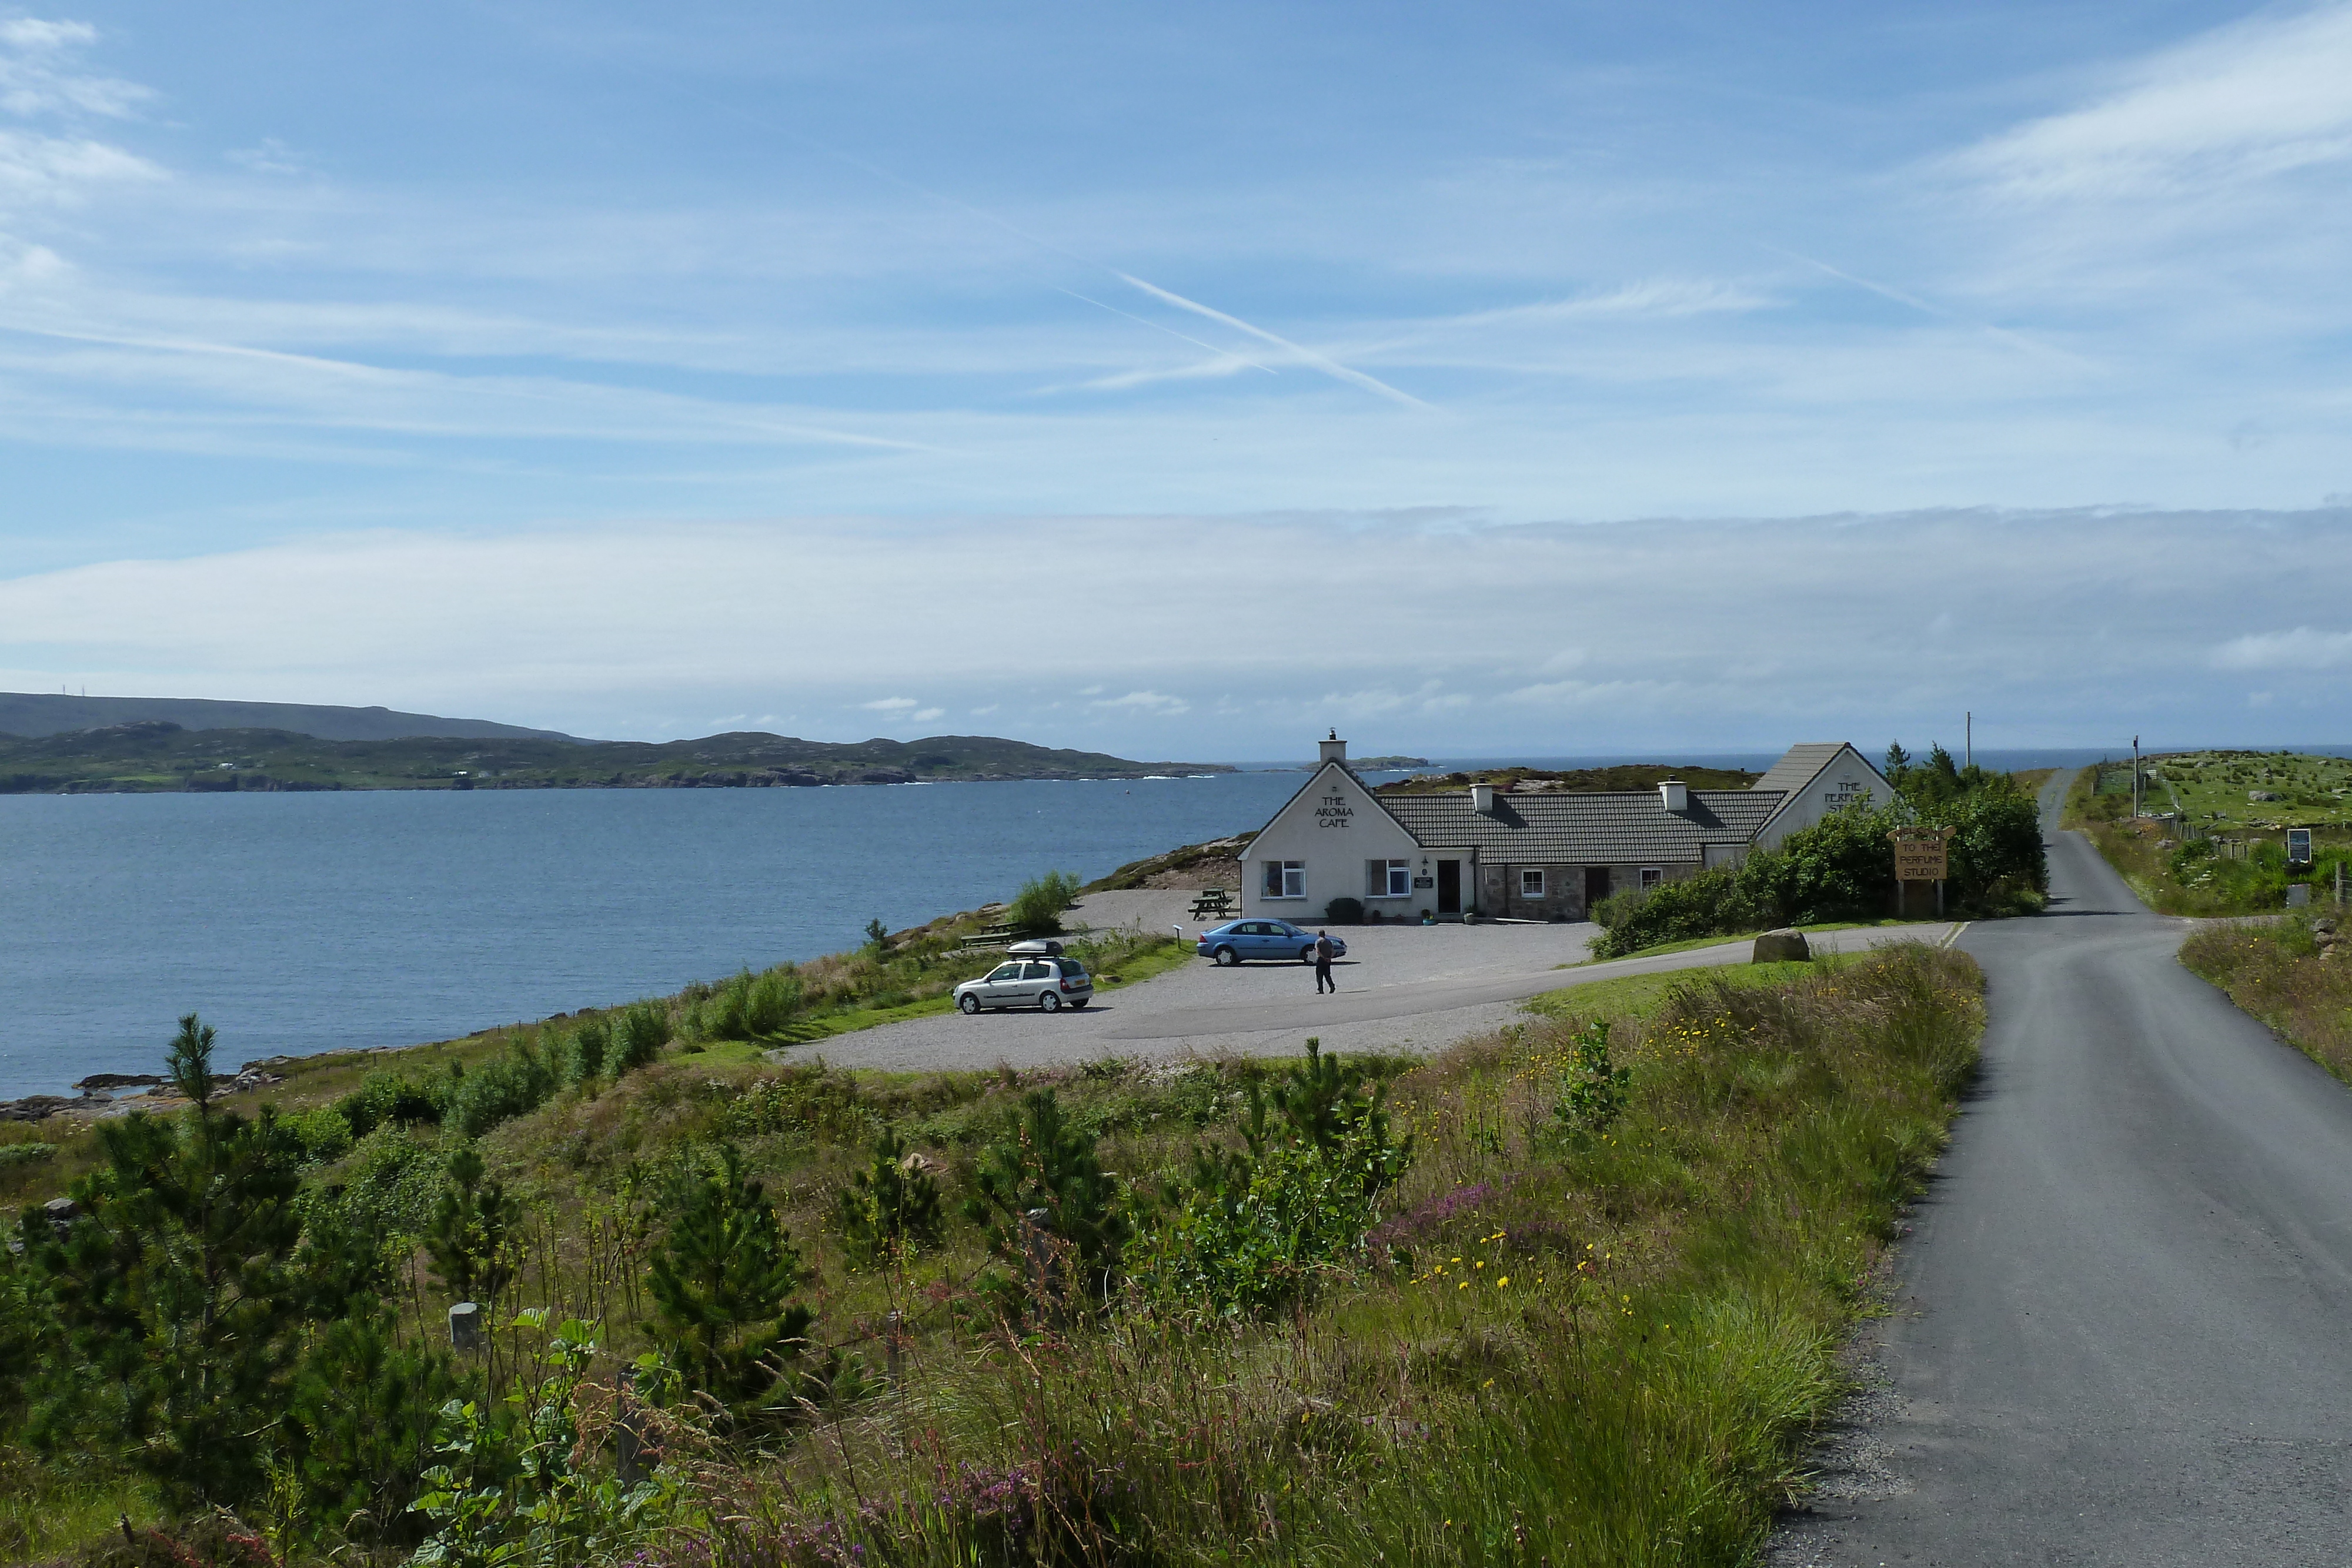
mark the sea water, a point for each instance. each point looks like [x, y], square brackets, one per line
[303, 922]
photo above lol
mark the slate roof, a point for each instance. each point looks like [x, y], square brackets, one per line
[1798, 768]
[1593, 829]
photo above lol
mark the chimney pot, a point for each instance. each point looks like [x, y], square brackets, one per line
[1481, 799]
[1676, 794]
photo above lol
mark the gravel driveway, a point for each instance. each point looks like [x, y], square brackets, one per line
[1401, 987]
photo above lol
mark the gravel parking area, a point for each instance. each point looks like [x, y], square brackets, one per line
[1401, 987]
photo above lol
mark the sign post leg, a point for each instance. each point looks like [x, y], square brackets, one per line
[1940, 901]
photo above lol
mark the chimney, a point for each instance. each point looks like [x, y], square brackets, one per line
[1481, 799]
[1676, 794]
[1334, 749]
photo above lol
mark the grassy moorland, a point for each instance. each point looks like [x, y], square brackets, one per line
[159, 756]
[2288, 974]
[1567, 1293]
[2223, 872]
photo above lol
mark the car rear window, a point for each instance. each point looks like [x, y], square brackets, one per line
[1074, 969]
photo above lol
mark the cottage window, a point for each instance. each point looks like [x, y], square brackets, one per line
[1531, 883]
[1652, 876]
[1285, 879]
[1388, 879]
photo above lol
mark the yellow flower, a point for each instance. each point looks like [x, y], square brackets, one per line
[1504, 1280]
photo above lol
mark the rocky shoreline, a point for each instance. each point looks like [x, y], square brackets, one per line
[102, 1094]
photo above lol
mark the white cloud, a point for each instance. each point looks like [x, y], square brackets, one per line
[37, 76]
[1147, 702]
[2255, 98]
[925, 715]
[62, 170]
[890, 705]
[2300, 649]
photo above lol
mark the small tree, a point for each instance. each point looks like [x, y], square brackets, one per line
[891, 1204]
[470, 1238]
[1036, 909]
[1046, 1178]
[175, 1294]
[877, 936]
[721, 1283]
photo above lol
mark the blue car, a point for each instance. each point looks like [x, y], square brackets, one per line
[1238, 940]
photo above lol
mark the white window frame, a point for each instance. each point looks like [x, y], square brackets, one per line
[1290, 876]
[1532, 881]
[1654, 877]
[1388, 879]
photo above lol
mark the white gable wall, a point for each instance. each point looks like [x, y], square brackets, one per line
[1847, 777]
[1331, 828]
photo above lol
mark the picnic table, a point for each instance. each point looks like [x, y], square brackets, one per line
[994, 937]
[1216, 901]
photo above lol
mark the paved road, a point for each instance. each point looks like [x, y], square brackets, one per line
[1401, 988]
[2125, 1322]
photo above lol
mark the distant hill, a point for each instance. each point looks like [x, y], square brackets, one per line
[157, 755]
[35, 714]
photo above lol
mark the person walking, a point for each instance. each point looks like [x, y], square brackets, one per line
[1323, 981]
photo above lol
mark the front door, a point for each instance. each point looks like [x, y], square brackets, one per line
[1596, 887]
[1449, 887]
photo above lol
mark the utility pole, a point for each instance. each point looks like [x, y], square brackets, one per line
[2134, 775]
[1969, 739]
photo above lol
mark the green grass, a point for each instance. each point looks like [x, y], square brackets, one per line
[1692, 944]
[2274, 970]
[2214, 786]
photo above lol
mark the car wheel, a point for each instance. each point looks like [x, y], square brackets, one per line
[1049, 1001]
[1227, 958]
[969, 1002]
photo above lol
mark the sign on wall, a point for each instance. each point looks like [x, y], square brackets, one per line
[1920, 854]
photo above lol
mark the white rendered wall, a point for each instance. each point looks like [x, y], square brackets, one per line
[1848, 777]
[1333, 826]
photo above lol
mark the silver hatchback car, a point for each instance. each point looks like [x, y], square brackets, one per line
[1047, 984]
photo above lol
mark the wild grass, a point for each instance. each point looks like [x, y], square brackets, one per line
[2285, 973]
[1586, 1337]
[2202, 877]
[1570, 1346]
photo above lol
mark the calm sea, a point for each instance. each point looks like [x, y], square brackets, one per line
[305, 923]
[319, 922]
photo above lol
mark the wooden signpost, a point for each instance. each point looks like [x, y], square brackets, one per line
[1921, 854]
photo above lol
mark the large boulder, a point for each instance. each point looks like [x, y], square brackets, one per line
[1782, 948]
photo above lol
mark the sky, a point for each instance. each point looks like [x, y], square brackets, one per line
[1555, 379]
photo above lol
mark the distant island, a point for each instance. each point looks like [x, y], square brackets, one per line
[1624, 778]
[157, 755]
[1387, 764]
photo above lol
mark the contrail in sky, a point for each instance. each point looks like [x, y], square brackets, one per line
[1323, 362]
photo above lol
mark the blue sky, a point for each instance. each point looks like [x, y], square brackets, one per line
[1556, 379]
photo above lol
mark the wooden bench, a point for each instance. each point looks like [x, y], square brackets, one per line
[994, 937]
[1216, 901]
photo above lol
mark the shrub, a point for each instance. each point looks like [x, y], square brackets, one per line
[587, 1051]
[1593, 1090]
[748, 1006]
[390, 1183]
[1707, 904]
[1344, 911]
[1250, 1229]
[891, 1205]
[25, 1153]
[1036, 909]
[385, 1098]
[323, 1131]
[645, 1026]
[501, 1089]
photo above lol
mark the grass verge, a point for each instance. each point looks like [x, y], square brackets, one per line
[1693, 943]
[2284, 973]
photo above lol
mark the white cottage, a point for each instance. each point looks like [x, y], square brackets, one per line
[1527, 857]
